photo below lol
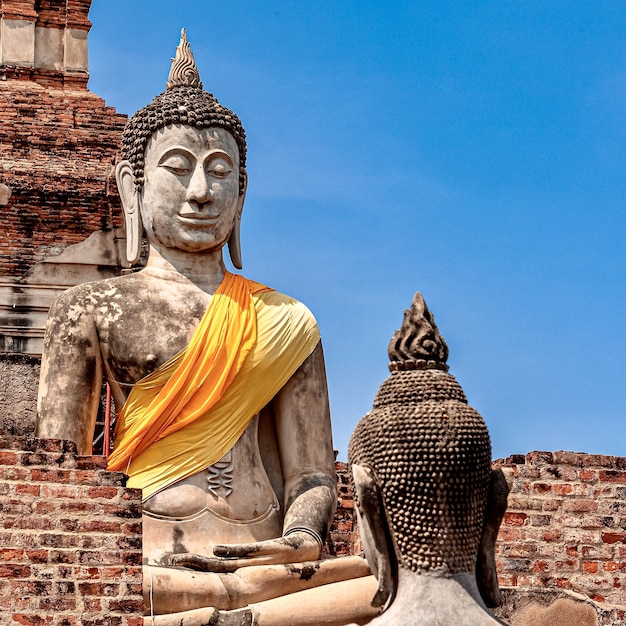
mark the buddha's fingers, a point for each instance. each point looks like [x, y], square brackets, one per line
[296, 547]
[216, 565]
[204, 563]
[260, 548]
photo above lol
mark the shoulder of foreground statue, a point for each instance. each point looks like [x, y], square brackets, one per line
[92, 292]
[274, 302]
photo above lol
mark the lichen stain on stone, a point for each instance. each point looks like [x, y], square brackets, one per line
[74, 312]
[305, 572]
[178, 535]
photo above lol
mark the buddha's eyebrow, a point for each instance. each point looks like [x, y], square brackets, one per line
[219, 153]
[176, 151]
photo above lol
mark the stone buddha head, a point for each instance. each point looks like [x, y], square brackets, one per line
[183, 177]
[428, 501]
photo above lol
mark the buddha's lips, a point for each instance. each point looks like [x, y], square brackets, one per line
[198, 219]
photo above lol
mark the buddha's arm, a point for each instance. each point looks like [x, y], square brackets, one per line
[71, 374]
[305, 442]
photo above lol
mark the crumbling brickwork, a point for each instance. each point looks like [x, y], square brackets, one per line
[565, 527]
[343, 537]
[58, 141]
[51, 48]
[58, 152]
[70, 538]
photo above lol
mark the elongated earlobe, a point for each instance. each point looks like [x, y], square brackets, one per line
[486, 575]
[234, 241]
[234, 244]
[379, 546]
[131, 205]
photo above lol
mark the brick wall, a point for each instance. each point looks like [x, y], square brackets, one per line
[70, 538]
[565, 527]
[58, 141]
[57, 153]
[343, 536]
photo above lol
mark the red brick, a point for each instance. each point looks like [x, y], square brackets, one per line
[515, 519]
[14, 571]
[60, 491]
[612, 476]
[612, 566]
[46, 474]
[91, 462]
[7, 458]
[538, 458]
[542, 487]
[31, 620]
[587, 475]
[552, 535]
[581, 506]
[540, 566]
[27, 489]
[565, 458]
[101, 526]
[37, 556]
[107, 493]
[126, 606]
[11, 554]
[562, 488]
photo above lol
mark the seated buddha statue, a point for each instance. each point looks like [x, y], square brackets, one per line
[429, 504]
[219, 383]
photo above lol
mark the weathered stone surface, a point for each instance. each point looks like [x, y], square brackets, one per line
[537, 607]
[19, 377]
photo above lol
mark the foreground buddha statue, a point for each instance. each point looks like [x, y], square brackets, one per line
[429, 504]
[220, 386]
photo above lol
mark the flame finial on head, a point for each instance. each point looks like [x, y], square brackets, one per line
[418, 344]
[184, 72]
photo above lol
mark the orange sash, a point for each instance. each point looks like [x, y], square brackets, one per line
[189, 412]
[194, 380]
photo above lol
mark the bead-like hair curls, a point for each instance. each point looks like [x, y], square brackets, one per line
[183, 102]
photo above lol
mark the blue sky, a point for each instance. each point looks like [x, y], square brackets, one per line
[475, 152]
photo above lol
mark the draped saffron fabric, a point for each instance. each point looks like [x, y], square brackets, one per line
[190, 411]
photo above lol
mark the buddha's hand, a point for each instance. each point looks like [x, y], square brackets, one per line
[295, 548]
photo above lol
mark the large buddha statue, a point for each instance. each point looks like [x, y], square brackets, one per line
[429, 504]
[219, 382]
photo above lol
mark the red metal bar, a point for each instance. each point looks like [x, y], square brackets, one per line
[106, 445]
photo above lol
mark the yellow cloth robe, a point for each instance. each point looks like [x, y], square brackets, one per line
[190, 411]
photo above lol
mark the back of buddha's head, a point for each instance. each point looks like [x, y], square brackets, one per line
[429, 451]
[183, 102]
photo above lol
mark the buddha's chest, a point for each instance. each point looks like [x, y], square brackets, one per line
[138, 339]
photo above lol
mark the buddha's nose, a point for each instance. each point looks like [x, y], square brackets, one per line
[199, 190]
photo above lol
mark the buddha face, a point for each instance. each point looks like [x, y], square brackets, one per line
[190, 196]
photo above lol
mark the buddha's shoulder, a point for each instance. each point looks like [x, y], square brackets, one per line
[95, 294]
[275, 304]
[271, 297]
